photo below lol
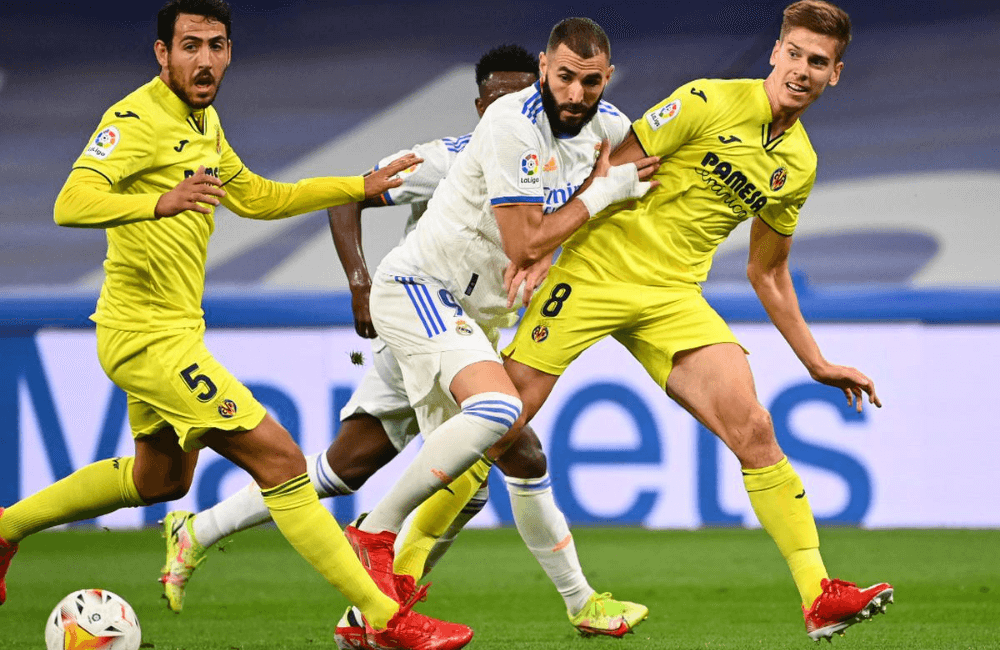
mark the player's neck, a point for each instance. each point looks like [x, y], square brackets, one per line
[782, 118]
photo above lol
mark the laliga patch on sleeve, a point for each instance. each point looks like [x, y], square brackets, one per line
[104, 143]
[659, 117]
[529, 173]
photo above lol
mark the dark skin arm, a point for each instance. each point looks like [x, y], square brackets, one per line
[345, 226]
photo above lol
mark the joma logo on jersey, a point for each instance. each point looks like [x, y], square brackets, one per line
[211, 171]
[735, 180]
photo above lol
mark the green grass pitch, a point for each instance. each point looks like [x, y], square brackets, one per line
[704, 589]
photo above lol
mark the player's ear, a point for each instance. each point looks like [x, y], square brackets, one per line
[835, 77]
[160, 50]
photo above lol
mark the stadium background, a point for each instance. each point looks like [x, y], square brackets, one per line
[895, 257]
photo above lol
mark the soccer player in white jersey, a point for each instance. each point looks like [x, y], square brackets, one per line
[438, 300]
[378, 421]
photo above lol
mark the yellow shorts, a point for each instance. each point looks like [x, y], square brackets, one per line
[571, 313]
[171, 379]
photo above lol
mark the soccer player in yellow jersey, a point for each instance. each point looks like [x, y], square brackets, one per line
[152, 175]
[730, 151]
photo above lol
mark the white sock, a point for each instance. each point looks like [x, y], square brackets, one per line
[448, 451]
[243, 510]
[323, 478]
[471, 509]
[544, 530]
[246, 508]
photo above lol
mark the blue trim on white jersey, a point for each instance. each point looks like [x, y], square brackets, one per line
[533, 105]
[605, 107]
[455, 145]
[508, 200]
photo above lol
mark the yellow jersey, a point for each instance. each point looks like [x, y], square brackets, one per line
[145, 145]
[719, 167]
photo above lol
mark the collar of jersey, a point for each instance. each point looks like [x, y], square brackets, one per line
[767, 117]
[170, 102]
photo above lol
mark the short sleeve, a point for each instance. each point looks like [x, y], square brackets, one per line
[785, 221]
[509, 148]
[615, 123]
[120, 147]
[679, 118]
[420, 180]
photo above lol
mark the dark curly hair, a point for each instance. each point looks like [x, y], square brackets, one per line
[505, 58]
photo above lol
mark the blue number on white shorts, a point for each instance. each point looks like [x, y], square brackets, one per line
[449, 301]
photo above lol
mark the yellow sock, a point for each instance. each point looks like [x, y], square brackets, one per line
[313, 532]
[778, 498]
[434, 516]
[91, 491]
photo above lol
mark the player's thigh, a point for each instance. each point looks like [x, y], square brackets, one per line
[714, 383]
[381, 395]
[671, 322]
[173, 380]
[162, 471]
[567, 316]
[431, 339]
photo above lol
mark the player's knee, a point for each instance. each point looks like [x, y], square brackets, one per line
[525, 458]
[754, 435]
[494, 412]
[163, 491]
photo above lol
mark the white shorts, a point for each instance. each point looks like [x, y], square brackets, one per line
[430, 336]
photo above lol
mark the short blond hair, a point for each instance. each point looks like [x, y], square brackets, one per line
[821, 17]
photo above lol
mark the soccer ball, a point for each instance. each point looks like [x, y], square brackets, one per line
[92, 618]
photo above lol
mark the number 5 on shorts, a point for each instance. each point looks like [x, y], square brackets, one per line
[193, 381]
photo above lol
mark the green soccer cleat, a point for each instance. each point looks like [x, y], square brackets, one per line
[605, 616]
[184, 555]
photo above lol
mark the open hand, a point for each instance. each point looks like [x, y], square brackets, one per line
[192, 193]
[385, 178]
[531, 277]
[850, 380]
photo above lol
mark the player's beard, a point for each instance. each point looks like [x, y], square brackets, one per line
[552, 110]
[185, 92]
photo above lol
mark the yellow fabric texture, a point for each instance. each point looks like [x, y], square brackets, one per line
[313, 532]
[91, 491]
[144, 146]
[781, 505]
[434, 516]
[718, 170]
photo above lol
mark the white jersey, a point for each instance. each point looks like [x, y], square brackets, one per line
[420, 181]
[512, 158]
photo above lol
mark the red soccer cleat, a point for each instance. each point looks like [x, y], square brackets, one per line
[841, 605]
[410, 630]
[7, 551]
[376, 552]
[350, 631]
